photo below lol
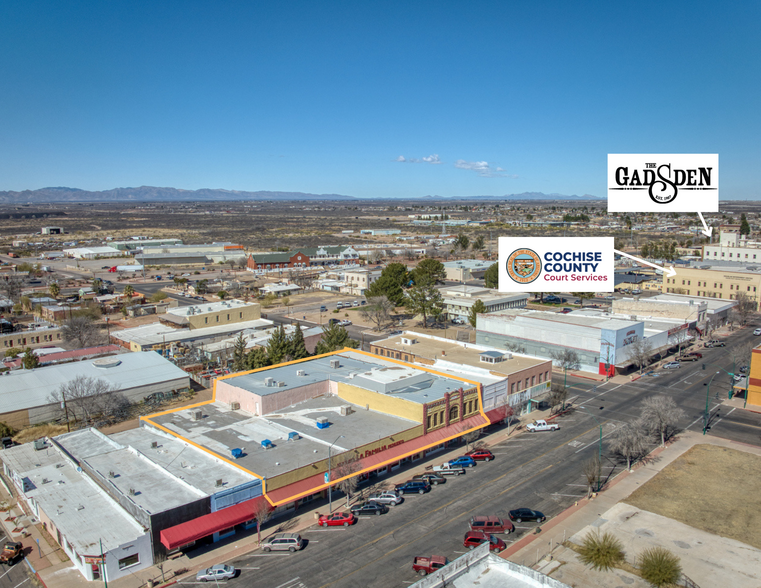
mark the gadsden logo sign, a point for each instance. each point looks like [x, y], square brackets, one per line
[555, 264]
[663, 182]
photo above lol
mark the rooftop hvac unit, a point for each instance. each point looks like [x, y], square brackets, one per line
[111, 475]
[219, 483]
[346, 410]
[132, 492]
[322, 423]
[293, 436]
[406, 341]
[508, 356]
[268, 381]
[281, 384]
[301, 373]
[335, 364]
[197, 415]
[267, 444]
[39, 444]
[236, 453]
[235, 406]
[154, 444]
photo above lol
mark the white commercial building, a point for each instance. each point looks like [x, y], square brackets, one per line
[93, 252]
[733, 246]
[464, 270]
[458, 300]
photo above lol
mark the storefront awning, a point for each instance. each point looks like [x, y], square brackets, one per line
[206, 525]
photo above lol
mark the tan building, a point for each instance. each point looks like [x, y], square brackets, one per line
[31, 338]
[717, 282]
[358, 281]
[211, 314]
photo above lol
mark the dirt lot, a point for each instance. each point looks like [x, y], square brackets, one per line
[711, 488]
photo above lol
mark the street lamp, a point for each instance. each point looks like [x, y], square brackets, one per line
[599, 457]
[330, 495]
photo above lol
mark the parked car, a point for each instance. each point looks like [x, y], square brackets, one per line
[427, 565]
[715, 343]
[216, 573]
[283, 542]
[337, 519]
[368, 508]
[738, 377]
[413, 486]
[432, 479]
[475, 538]
[690, 357]
[694, 354]
[344, 323]
[12, 551]
[672, 365]
[446, 470]
[542, 425]
[526, 514]
[491, 525]
[323, 308]
[743, 369]
[458, 321]
[386, 497]
[355, 303]
[481, 455]
[551, 298]
[462, 462]
[334, 321]
[757, 332]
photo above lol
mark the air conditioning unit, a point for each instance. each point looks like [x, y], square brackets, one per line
[281, 384]
[269, 381]
[154, 444]
[219, 483]
[322, 423]
[293, 436]
[335, 364]
[197, 415]
[406, 341]
[301, 373]
[235, 406]
[39, 444]
[346, 410]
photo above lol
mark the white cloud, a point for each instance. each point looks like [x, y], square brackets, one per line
[432, 159]
[483, 169]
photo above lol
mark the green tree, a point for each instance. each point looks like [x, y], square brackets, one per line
[334, 337]
[429, 270]
[386, 286]
[601, 551]
[202, 286]
[462, 242]
[30, 359]
[6, 430]
[478, 243]
[297, 348]
[424, 299]
[158, 296]
[97, 284]
[478, 308]
[54, 290]
[129, 291]
[239, 353]
[222, 294]
[257, 358]
[744, 226]
[277, 346]
[13, 352]
[491, 276]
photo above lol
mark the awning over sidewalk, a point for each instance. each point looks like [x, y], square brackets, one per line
[206, 525]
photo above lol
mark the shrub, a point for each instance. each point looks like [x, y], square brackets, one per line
[659, 566]
[601, 551]
[6, 430]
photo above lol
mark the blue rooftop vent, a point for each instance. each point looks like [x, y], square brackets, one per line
[237, 453]
[322, 423]
[267, 444]
[293, 436]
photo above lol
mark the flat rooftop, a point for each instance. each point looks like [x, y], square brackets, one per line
[221, 429]
[78, 506]
[572, 318]
[156, 333]
[469, 354]
[714, 304]
[207, 307]
[469, 264]
[369, 372]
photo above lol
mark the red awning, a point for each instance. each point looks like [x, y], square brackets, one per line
[203, 526]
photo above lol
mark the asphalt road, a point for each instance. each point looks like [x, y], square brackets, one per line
[542, 471]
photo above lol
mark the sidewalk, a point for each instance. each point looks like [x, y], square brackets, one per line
[538, 550]
[55, 570]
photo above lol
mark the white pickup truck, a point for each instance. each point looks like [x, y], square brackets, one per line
[542, 426]
[445, 470]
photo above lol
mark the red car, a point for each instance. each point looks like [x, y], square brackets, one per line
[481, 455]
[337, 519]
[475, 538]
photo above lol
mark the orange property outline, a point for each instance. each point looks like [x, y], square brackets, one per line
[149, 418]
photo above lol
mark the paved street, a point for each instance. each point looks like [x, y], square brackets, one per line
[542, 471]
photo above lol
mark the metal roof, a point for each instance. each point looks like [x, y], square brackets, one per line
[23, 389]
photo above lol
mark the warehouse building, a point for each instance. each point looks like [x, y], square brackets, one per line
[93, 252]
[28, 397]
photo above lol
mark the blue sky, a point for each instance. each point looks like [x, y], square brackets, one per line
[373, 99]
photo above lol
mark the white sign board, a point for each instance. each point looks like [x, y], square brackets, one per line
[639, 182]
[556, 264]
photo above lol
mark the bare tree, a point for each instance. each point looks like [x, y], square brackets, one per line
[679, 338]
[741, 354]
[515, 347]
[557, 395]
[629, 442]
[640, 352]
[84, 398]
[568, 359]
[375, 256]
[345, 469]
[471, 438]
[82, 331]
[734, 317]
[660, 416]
[378, 311]
[591, 470]
[262, 513]
[10, 285]
[745, 306]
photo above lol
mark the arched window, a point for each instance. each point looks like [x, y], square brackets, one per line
[453, 413]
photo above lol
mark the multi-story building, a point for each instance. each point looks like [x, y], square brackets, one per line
[358, 281]
[458, 300]
[36, 336]
[209, 314]
[715, 282]
[733, 246]
[464, 270]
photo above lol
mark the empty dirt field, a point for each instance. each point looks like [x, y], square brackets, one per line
[710, 488]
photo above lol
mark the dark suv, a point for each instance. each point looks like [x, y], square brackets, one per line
[412, 486]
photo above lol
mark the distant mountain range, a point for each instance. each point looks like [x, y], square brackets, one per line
[153, 194]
